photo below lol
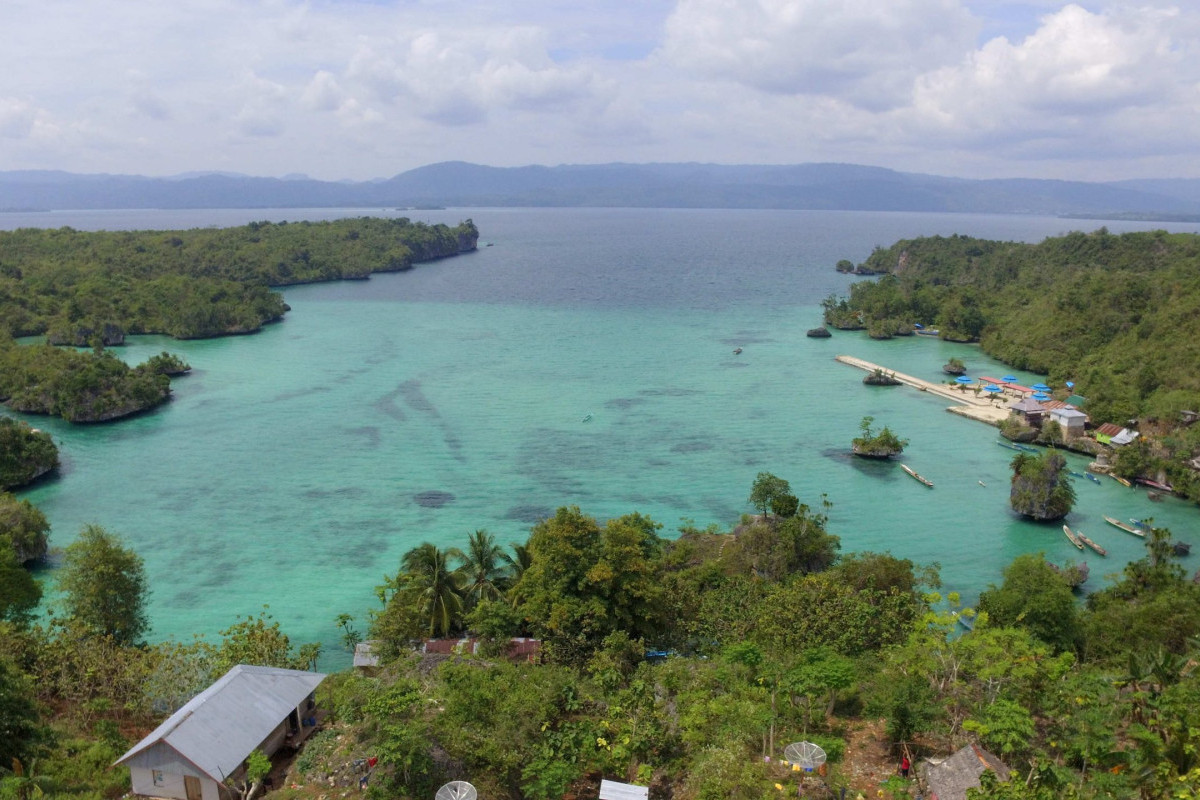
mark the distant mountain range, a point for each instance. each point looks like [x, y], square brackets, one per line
[802, 186]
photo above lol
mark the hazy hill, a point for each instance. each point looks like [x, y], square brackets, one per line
[802, 186]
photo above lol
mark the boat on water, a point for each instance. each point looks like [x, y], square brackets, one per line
[1073, 538]
[1162, 487]
[1091, 477]
[964, 620]
[586, 418]
[1120, 480]
[1090, 543]
[1026, 448]
[915, 475]
[1125, 526]
[1009, 445]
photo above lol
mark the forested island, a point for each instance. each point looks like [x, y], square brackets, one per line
[683, 665]
[93, 289]
[1116, 315]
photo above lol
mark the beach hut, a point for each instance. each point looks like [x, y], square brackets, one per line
[950, 778]
[192, 754]
[1030, 410]
[1071, 420]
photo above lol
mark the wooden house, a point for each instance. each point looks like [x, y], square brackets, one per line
[197, 749]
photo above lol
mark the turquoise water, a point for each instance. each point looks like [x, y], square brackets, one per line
[294, 467]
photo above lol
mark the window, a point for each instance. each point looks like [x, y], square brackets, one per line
[157, 775]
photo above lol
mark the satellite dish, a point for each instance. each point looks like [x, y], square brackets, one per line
[461, 790]
[806, 755]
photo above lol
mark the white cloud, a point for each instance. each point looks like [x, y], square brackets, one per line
[866, 51]
[348, 88]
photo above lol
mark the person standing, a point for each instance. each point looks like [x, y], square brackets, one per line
[905, 765]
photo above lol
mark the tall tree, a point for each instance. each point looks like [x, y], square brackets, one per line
[482, 568]
[104, 586]
[428, 581]
[765, 489]
[19, 592]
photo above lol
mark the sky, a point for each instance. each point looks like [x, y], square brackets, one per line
[365, 89]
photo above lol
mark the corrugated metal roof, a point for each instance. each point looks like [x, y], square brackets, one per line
[614, 790]
[217, 729]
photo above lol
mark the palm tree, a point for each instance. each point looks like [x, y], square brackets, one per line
[482, 568]
[435, 587]
[516, 564]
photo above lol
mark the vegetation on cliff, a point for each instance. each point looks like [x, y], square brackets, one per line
[1041, 486]
[77, 386]
[1117, 315]
[26, 454]
[80, 288]
[673, 664]
[883, 444]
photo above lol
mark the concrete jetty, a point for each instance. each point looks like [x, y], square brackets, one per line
[983, 407]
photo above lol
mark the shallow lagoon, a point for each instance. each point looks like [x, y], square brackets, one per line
[294, 467]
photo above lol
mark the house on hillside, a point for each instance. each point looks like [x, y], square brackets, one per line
[950, 777]
[1070, 420]
[207, 741]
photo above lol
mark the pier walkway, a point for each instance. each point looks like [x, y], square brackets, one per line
[982, 407]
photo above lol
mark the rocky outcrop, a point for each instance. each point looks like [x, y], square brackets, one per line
[818, 333]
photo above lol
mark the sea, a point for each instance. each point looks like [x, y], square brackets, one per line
[582, 357]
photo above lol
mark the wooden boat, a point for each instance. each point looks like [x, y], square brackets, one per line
[1091, 477]
[1120, 480]
[1125, 526]
[1072, 537]
[1162, 487]
[1090, 543]
[913, 473]
[964, 620]
[1009, 445]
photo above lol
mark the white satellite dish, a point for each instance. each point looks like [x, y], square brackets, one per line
[457, 790]
[805, 755]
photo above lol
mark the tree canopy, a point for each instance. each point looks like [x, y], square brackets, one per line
[104, 586]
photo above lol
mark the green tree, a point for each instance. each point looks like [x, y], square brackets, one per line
[260, 641]
[428, 582]
[1034, 596]
[482, 568]
[765, 489]
[25, 453]
[20, 730]
[25, 527]
[104, 586]
[20, 593]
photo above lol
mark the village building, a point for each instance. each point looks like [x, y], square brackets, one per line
[1115, 435]
[192, 754]
[951, 777]
[1030, 410]
[1071, 420]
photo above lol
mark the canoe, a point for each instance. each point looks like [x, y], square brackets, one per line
[1072, 538]
[1090, 543]
[1120, 480]
[1162, 487]
[1091, 477]
[1009, 445]
[1125, 526]
[911, 472]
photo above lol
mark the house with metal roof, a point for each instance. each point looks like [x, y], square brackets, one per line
[1070, 420]
[207, 741]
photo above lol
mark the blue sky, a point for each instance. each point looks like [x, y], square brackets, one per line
[349, 89]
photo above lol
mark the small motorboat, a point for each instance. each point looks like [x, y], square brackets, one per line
[587, 418]
[737, 351]
[1091, 477]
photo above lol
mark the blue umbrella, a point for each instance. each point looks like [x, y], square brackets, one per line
[1070, 384]
[992, 388]
[1009, 379]
[1041, 387]
[1040, 396]
[964, 379]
